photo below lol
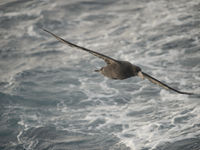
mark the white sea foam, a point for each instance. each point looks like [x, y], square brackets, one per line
[64, 92]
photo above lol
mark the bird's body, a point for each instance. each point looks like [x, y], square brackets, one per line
[119, 70]
[116, 69]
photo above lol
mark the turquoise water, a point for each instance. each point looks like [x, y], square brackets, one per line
[51, 98]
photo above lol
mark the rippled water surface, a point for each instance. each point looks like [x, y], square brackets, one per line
[51, 98]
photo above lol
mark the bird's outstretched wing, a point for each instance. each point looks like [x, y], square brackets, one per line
[155, 81]
[107, 59]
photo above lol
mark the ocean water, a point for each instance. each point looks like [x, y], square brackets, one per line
[51, 98]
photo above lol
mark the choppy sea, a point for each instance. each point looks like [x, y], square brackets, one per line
[51, 98]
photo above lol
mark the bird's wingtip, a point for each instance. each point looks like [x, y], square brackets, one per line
[43, 29]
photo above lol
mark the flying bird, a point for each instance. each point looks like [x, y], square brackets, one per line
[117, 69]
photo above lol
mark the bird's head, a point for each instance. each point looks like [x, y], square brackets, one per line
[137, 71]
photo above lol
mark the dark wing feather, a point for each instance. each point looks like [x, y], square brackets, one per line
[155, 81]
[107, 59]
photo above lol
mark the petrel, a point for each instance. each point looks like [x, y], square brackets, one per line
[117, 69]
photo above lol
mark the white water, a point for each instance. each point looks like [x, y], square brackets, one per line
[51, 97]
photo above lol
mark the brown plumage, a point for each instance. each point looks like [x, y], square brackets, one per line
[116, 69]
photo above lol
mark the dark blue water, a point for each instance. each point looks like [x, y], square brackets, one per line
[51, 98]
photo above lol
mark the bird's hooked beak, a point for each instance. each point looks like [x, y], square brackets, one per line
[140, 75]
